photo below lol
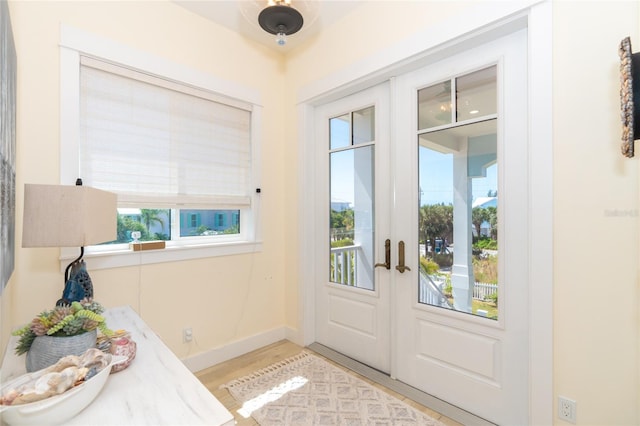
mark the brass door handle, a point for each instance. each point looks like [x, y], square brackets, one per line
[400, 267]
[387, 255]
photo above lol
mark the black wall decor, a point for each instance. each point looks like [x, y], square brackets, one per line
[629, 96]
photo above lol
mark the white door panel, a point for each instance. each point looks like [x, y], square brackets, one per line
[352, 295]
[456, 351]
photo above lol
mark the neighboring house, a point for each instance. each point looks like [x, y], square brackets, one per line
[216, 221]
[483, 203]
[340, 206]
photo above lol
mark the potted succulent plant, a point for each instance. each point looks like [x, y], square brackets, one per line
[63, 330]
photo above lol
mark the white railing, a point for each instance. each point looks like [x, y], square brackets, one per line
[482, 291]
[344, 267]
[344, 264]
[431, 291]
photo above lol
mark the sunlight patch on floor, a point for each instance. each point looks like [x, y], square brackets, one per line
[271, 395]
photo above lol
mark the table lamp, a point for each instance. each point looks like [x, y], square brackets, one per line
[69, 216]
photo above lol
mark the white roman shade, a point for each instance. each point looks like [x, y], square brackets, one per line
[160, 144]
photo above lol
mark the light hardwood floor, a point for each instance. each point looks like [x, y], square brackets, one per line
[214, 377]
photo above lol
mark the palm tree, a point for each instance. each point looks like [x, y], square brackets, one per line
[479, 215]
[149, 216]
[492, 214]
[436, 221]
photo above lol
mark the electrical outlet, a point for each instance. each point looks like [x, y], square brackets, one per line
[567, 409]
[187, 335]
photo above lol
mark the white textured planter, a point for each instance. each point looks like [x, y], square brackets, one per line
[47, 350]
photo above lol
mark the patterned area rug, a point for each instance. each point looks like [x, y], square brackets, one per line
[307, 390]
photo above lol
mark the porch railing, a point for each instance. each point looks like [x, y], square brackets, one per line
[482, 291]
[344, 264]
[431, 291]
[344, 267]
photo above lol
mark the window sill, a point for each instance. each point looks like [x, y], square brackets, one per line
[129, 257]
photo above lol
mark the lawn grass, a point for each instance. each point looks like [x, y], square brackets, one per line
[492, 310]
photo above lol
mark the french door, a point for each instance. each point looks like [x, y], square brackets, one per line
[353, 299]
[423, 242]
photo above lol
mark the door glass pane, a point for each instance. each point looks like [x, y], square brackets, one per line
[476, 94]
[458, 219]
[434, 105]
[363, 126]
[351, 217]
[340, 131]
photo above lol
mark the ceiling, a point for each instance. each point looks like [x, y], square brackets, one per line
[241, 16]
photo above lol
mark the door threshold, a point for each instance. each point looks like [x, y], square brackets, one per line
[429, 401]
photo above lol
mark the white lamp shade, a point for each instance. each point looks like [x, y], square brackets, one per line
[68, 216]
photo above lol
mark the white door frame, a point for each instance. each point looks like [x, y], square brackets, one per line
[427, 47]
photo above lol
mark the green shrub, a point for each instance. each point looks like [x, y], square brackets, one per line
[485, 270]
[447, 289]
[442, 259]
[429, 266]
[485, 243]
[342, 243]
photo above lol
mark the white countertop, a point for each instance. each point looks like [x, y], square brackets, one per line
[156, 389]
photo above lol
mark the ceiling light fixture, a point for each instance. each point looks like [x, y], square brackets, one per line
[281, 19]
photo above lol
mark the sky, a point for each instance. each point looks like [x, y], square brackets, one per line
[436, 178]
[435, 172]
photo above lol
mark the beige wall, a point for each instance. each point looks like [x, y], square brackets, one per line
[596, 216]
[223, 299]
[596, 255]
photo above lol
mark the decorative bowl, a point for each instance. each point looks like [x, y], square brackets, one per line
[47, 350]
[122, 344]
[59, 408]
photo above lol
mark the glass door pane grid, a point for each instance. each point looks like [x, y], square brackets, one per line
[455, 159]
[351, 165]
[457, 124]
[463, 99]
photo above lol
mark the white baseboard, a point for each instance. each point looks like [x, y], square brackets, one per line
[240, 347]
[294, 335]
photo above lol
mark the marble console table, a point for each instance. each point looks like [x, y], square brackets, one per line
[156, 389]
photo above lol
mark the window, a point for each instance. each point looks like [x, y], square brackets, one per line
[219, 220]
[194, 220]
[179, 155]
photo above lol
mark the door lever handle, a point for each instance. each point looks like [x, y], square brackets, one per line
[387, 255]
[401, 267]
